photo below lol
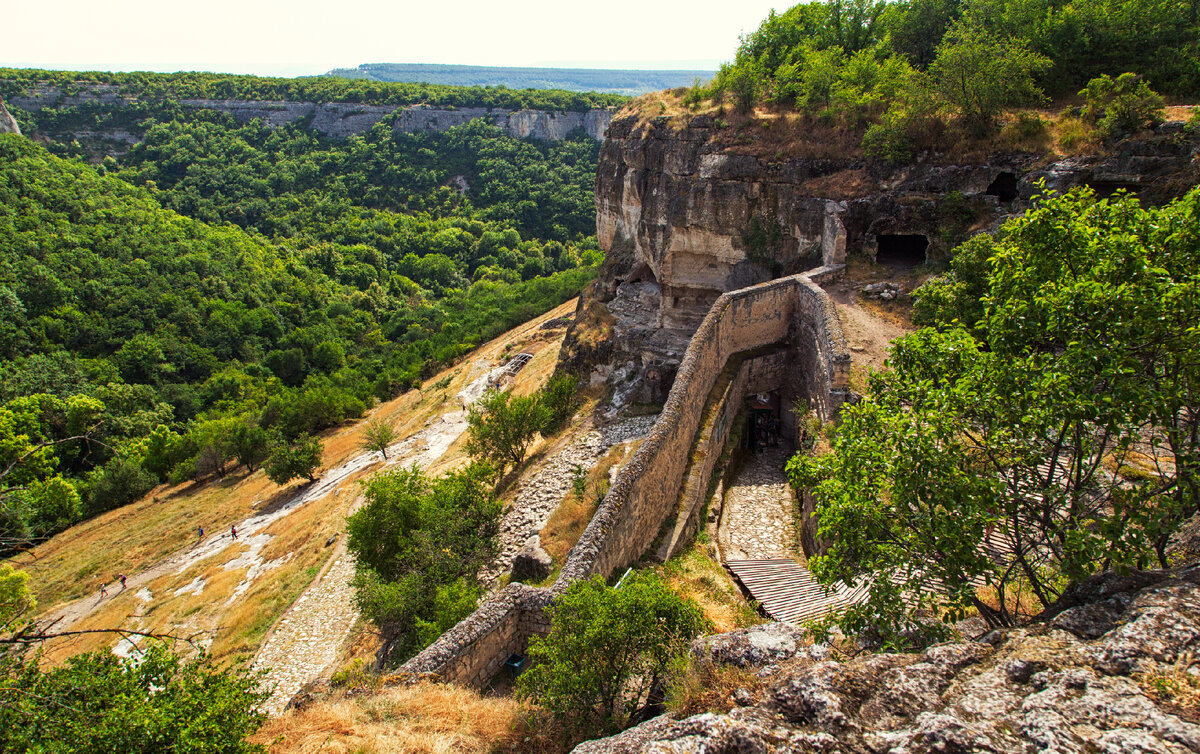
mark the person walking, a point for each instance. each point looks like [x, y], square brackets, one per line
[103, 591]
[233, 530]
[200, 530]
[121, 578]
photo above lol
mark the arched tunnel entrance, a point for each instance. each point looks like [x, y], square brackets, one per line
[901, 250]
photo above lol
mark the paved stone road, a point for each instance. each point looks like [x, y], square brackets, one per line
[307, 639]
[757, 522]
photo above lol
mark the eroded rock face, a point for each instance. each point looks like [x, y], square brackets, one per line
[340, 120]
[688, 211]
[7, 124]
[1068, 683]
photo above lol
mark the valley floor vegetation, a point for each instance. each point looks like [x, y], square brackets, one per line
[217, 295]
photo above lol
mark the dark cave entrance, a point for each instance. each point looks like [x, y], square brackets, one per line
[902, 250]
[1004, 187]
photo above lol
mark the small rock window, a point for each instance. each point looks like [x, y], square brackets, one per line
[1004, 188]
[901, 250]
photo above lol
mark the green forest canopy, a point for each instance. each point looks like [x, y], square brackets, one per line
[200, 85]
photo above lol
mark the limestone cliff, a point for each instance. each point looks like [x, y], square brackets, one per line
[1106, 670]
[8, 125]
[687, 208]
[340, 120]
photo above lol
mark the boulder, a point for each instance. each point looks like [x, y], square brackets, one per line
[1072, 681]
[532, 563]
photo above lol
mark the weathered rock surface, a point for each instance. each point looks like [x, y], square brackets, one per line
[532, 563]
[340, 120]
[1066, 683]
[686, 211]
[7, 124]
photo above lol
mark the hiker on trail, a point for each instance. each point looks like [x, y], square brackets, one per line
[201, 530]
[121, 578]
[233, 530]
[103, 591]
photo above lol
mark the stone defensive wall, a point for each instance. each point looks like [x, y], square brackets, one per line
[792, 311]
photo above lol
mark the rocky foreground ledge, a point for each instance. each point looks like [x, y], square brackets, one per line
[1073, 681]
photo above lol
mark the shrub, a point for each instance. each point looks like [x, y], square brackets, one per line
[500, 428]
[559, 399]
[119, 482]
[290, 461]
[1124, 105]
[608, 650]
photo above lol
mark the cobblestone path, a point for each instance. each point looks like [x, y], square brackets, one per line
[757, 522]
[307, 639]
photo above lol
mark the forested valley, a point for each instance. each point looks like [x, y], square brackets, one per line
[220, 293]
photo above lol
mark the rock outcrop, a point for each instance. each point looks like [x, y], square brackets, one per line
[687, 209]
[340, 120]
[1081, 679]
[8, 125]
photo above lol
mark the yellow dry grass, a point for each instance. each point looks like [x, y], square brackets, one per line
[426, 718]
[565, 525]
[134, 539]
[695, 574]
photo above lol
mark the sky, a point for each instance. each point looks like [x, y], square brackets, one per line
[302, 37]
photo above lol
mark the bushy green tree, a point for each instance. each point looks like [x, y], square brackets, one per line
[559, 397]
[1064, 421]
[1121, 106]
[98, 702]
[419, 545]
[981, 75]
[605, 651]
[293, 460]
[501, 426]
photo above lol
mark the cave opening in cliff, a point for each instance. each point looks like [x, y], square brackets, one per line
[901, 249]
[1004, 187]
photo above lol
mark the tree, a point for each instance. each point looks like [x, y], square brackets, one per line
[559, 398]
[419, 545]
[607, 648]
[98, 702]
[1123, 106]
[1065, 423]
[500, 427]
[981, 75]
[300, 458]
[249, 443]
[377, 436]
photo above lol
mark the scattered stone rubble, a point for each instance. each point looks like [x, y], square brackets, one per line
[1066, 683]
[883, 291]
[539, 496]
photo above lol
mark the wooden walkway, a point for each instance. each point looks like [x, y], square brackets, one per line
[787, 590]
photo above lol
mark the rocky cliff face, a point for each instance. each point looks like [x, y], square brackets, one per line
[1099, 673]
[7, 124]
[340, 120]
[687, 210]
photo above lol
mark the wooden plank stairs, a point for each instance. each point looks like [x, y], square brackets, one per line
[787, 590]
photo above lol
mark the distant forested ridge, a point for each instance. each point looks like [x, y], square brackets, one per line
[216, 289]
[199, 85]
[606, 80]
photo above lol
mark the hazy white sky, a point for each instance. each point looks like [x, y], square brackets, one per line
[304, 37]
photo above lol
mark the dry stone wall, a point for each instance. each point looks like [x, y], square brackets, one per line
[645, 494]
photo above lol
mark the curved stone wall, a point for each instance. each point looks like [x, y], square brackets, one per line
[791, 311]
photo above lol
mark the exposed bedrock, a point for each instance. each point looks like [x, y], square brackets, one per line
[340, 120]
[1089, 677]
[688, 211]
